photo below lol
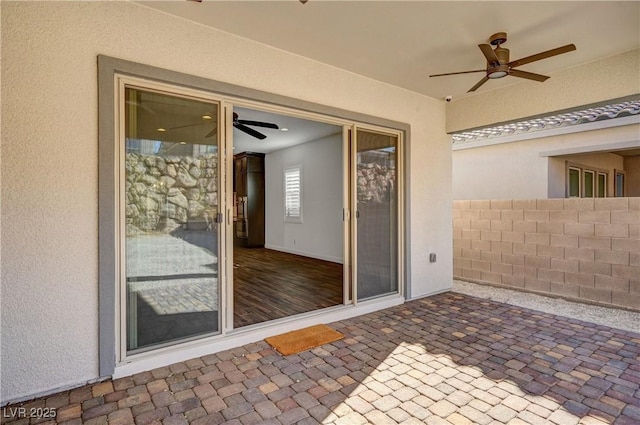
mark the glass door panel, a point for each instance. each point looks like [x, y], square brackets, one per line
[170, 193]
[376, 214]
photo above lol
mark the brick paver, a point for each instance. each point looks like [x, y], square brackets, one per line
[446, 359]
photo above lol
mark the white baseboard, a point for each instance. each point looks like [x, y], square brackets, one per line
[305, 254]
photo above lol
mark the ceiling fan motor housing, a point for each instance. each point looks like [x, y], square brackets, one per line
[500, 69]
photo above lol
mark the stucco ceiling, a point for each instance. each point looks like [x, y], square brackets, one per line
[402, 42]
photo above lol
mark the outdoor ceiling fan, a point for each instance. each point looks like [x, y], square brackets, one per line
[498, 64]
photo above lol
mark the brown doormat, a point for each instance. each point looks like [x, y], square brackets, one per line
[303, 339]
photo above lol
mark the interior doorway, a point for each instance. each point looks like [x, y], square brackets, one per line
[288, 203]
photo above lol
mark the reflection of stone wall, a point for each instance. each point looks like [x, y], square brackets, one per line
[165, 192]
[375, 182]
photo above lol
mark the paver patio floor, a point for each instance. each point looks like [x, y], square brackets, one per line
[446, 359]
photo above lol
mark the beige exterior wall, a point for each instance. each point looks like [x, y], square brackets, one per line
[632, 171]
[581, 85]
[517, 170]
[50, 261]
[581, 249]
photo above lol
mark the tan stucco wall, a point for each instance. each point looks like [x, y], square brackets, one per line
[517, 170]
[632, 170]
[50, 163]
[598, 81]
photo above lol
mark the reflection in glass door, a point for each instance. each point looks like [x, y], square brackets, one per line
[170, 196]
[376, 213]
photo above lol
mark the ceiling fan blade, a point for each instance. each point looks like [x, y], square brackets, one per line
[489, 54]
[185, 126]
[250, 131]
[141, 105]
[481, 82]
[455, 73]
[527, 75]
[543, 55]
[258, 124]
[211, 133]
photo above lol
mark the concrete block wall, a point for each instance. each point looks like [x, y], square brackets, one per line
[580, 249]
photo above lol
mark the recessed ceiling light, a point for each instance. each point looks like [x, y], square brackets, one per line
[183, 143]
[162, 129]
[284, 129]
[206, 117]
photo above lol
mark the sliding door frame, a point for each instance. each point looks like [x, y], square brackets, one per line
[112, 361]
[353, 203]
[229, 104]
[123, 82]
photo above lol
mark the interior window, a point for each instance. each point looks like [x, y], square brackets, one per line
[293, 194]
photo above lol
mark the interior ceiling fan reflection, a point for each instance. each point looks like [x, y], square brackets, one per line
[498, 64]
[242, 125]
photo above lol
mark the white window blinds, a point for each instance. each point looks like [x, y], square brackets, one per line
[292, 194]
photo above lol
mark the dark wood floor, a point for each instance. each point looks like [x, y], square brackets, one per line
[271, 284]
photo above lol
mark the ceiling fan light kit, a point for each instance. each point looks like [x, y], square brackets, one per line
[498, 65]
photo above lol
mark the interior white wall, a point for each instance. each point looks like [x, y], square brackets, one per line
[50, 164]
[517, 171]
[319, 235]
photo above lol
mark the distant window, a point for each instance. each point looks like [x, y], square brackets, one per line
[574, 182]
[602, 185]
[293, 194]
[589, 183]
[619, 184]
[586, 182]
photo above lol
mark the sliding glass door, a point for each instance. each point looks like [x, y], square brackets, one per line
[376, 213]
[170, 196]
[195, 261]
